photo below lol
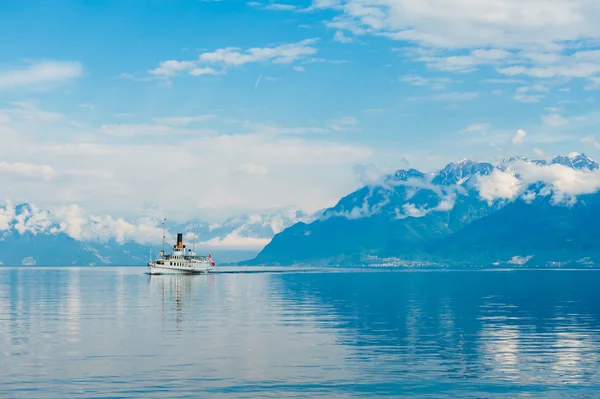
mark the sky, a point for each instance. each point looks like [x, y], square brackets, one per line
[210, 108]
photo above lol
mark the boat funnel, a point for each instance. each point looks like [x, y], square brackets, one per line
[179, 240]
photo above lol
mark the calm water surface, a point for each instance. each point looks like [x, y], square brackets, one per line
[116, 332]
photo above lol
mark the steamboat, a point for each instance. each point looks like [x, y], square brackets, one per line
[182, 260]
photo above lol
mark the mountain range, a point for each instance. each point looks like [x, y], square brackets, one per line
[32, 236]
[510, 213]
[515, 212]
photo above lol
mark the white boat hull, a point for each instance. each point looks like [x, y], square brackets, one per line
[186, 269]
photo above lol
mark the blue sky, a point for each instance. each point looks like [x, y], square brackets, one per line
[249, 105]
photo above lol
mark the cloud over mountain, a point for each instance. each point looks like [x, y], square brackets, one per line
[411, 216]
[564, 178]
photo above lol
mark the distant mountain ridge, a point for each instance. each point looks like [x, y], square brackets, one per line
[468, 213]
[513, 212]
[32, 236]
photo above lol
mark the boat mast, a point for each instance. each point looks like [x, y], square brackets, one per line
[163, 240]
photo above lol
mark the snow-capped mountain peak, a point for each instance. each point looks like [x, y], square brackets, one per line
[576, 160]
[455, 173]
[403, 175]
[507, 162]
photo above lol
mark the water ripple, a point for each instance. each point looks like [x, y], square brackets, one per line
[115, 332]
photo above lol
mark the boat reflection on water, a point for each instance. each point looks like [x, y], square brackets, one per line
[179, 293]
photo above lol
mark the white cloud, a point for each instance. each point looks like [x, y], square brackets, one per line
[343, 123]
[374, 110]
[28, 112]
[538, 152]
[531, 94]
[374, 178]
[183, 120]
[528, 98]
[82, 227]
[503, 81]
[593, 83]
[471, 23]
[7, 214]
[40, 73]
[562, 182]
[447, 202]
[172, 67]
[498, 185]
[477, 128]
[434, 83]
[464, 63]
[168, 69]
[89, 173]
[555, 65]
[205, 71]
[554, 120]
[410, 210]
[340, 37]
[243, 232]
[149, 129]
[235, 241]
[233, 57]
[78, 224]
[449, 97]
[280, 7]
[109, 171]
[518, 37]
[319, 4]
[273, 6]
[299, 68]
[32, 220]
[371, 174]
[565, 181]
[282, 54]
[360, 211]
[253, 169]
[519, 137]
[273, 129]
[27, 169]
[591, 140]
[529, 196]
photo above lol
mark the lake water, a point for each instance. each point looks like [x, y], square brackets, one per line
[116, 332]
